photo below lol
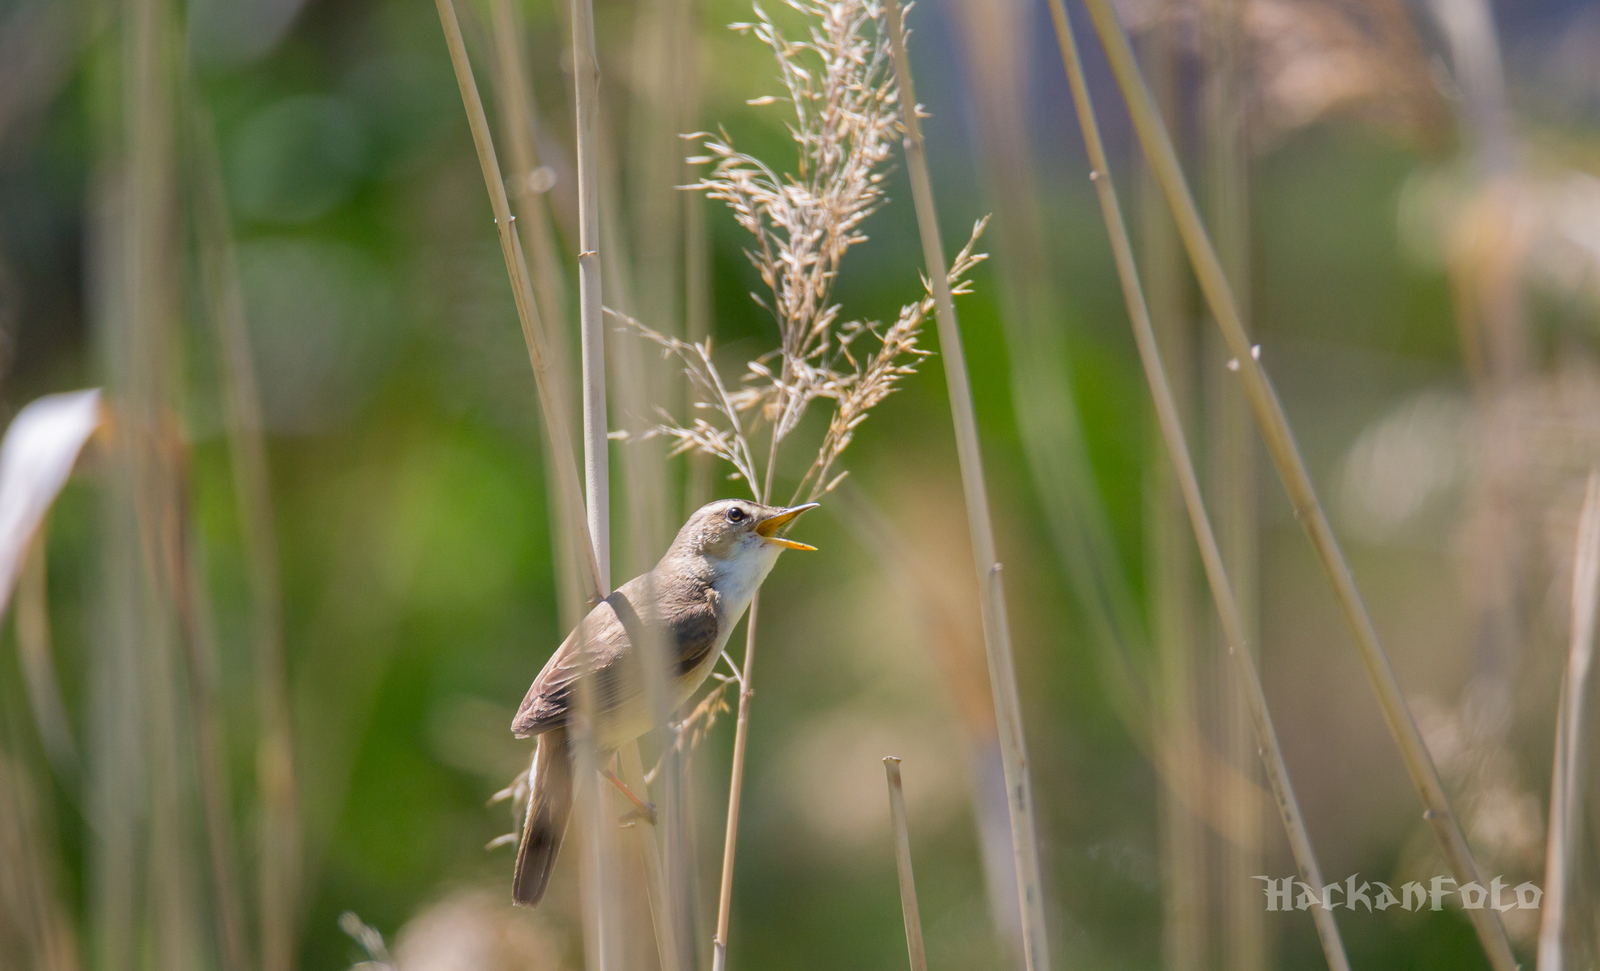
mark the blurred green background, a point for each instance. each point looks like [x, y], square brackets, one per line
[410, 505]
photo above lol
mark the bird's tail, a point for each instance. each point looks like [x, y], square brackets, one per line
[549, 806]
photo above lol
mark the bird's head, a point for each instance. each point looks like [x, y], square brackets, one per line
[736, 531]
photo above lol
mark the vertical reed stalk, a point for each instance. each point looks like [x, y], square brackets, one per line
[280, 843]
[1183, 836]
[571, 493]
[1041, 385]
[515, 96]
[596, 463]
[599, 857]
[902, 865]
[1274, 426]
[596, 856]
[997, 634]
[1567, 783]
[1231, 466]
[1178, 450]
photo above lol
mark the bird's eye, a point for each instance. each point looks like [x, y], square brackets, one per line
[735, 515]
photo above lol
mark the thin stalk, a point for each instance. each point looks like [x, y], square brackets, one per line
[1232, 619]
[596, 858]
[1274, 426]
[1174, 626]
[515, 97]
[599, 859]
[902, 865]
[996, 627]
[1230, 462]
[586, 77]
[571, 493]
[741, 734]
[1567, 778]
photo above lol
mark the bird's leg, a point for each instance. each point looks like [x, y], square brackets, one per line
[732, 667]
[644, 809]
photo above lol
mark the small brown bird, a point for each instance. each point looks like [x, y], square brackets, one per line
[692, 600]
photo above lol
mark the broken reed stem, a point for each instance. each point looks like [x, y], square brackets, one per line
[902, 865]
[1567, 783]
[1233, 625]
[280, 875]
[996, 628]
[1280, 442]
[554, 409]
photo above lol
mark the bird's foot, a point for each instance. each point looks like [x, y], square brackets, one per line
[641, 809]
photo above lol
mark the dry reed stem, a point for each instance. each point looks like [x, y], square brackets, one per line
[1274, 426]
[1230, 459]
[571, 493]
[596, 460]
[280, 842]
[902, 865]
[599, 870]
[1567, 782]
[997, 635]
[596, 856]
[1171, 422]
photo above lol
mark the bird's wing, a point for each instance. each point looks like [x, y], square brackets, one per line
[613, 627]
[553, 695]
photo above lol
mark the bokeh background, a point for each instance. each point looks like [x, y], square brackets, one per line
[1405, 193]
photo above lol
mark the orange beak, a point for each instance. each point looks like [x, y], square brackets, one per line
[780, 519]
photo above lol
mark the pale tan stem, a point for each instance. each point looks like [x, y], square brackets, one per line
[996, 628]
[1567, 783]
[730, 838]
[1280, 442]
[902, 865]
[596, 459]
[1233, 624]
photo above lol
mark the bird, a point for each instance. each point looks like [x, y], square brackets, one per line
[691, 600]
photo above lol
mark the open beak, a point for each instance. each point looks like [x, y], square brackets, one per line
[778, 520]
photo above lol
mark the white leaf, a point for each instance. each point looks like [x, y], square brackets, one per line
[36, 457]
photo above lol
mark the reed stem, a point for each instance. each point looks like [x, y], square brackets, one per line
[1233, 625]
[514, 94]
[1281, 446]
[741, 734]
[902, 865]
[555, 414]
[596, 459]
[996, 627]
[1567, 783]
